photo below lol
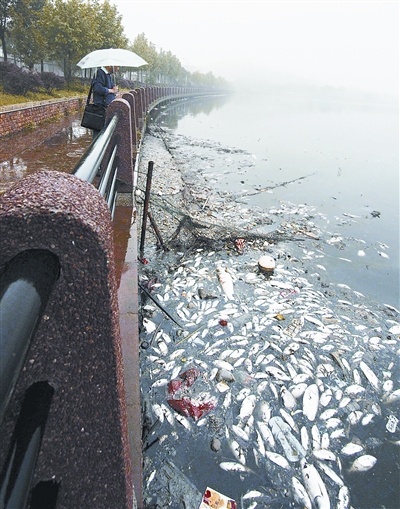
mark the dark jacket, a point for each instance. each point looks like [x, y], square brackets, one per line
[101, 84]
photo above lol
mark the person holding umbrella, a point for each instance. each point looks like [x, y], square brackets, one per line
[104, 89]
[109, 60]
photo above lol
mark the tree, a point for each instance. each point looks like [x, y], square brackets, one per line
[146, 50]
[109, 26]
[26, 38]
[73, 28]
[6, 8]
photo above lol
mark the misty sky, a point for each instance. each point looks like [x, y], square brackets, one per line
[351, 44]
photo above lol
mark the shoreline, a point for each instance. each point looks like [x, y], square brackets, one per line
[275, 330]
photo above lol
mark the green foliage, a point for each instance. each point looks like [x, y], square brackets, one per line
[6, 9]
[63, 30]
[25, 37]
[109, 26]
[69, 29]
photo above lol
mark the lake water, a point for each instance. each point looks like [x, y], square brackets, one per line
[273, 153]
[340, 156]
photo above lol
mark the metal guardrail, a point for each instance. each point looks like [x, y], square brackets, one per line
[25, 287]
[27, 282]
[88, 167]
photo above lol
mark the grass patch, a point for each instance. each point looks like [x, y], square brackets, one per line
[10, 99]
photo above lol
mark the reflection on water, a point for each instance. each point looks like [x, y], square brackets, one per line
[171, 114]
[55, 146]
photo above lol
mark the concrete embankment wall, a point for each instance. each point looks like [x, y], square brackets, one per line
[28, 117]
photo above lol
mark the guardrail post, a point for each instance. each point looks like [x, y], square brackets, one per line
[123, 137]
[77, 343]
[131, 100]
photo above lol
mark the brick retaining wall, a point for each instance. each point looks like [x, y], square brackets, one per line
[26, 117]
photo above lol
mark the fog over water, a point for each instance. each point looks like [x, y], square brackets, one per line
[337, 156]
[341, 44]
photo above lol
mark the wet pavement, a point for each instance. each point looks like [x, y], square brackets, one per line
[57, 145]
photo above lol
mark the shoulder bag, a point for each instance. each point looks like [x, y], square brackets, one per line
[94, 115]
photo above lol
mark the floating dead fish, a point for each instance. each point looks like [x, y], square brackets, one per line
[311, 401]
[370, 375]
[315, 486]
[288, 399]
[278, 459]
[343, 501]
[351, 448]
[394, 397]
[363, 463]
[292, 448]
[300, 494]
[226, 281]
[277, 373]
[330, 473]
[231, 466]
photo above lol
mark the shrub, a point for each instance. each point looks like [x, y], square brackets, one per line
[52, 81]
[20, 82]
[5, 68]
[127, 84]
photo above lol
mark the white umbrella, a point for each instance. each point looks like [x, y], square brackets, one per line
[111, 56]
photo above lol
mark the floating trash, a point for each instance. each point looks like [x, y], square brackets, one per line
[215, 500]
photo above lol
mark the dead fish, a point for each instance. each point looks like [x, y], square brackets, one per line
[393, 397]
[310, 402]
[326, 397]
[354, 390]
[236, 448]
[363, 463]
[278, 459]
[232, 466]
[264, 411]
[239, 432]
[323, 454]
[300, 494]
[158, 412]
[184, 421]
[277, 373]
[247, 407]
[292, 448]
[351, 448]
[330, 473]
[149, 325]
[315, 486]
[305, 440]
[316, 437]
[266, 433]
[343, 501]
[226, 281]
[288, 399]
[370, 375]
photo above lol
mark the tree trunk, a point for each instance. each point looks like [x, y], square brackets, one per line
[3, 44]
